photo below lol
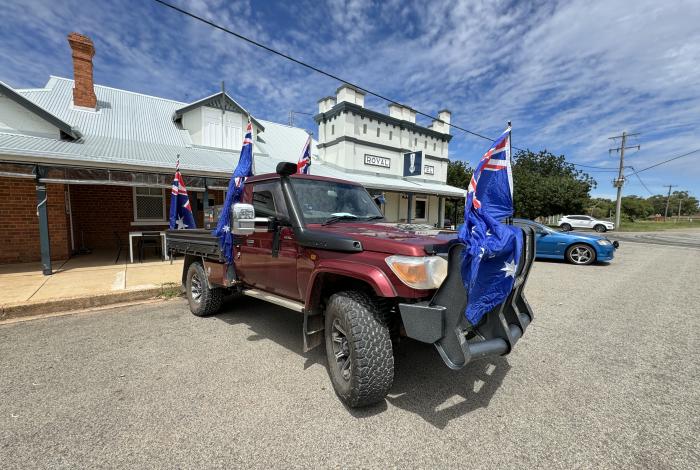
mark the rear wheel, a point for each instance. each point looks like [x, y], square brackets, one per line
[580, 254]
[358, 348]
[202, 299]
[566, 227]
[600, 228]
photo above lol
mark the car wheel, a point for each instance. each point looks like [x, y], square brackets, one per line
[600, 228]
[566, 227]
[202, 300]
[580, 254]
[358, 348]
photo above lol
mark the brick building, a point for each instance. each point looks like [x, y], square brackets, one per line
[82, 164]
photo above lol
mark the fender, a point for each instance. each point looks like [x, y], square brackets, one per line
[372, 275]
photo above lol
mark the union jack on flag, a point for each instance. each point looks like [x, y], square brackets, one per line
[304, 163]
[180, 209]
[243, 170]
[496, 159]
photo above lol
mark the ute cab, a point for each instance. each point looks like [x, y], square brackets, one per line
[320, 246]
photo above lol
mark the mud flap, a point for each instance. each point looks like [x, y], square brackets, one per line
[441, 320]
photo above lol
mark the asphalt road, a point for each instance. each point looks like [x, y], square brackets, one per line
[682, 237]
[607, 376]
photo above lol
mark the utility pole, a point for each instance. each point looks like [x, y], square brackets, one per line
[620, 180]
[668, 199]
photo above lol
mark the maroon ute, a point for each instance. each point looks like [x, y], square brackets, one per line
[321, 247]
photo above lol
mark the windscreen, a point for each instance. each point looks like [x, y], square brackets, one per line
[321, 201]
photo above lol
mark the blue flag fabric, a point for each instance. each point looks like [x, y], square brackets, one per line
[180, 209]
[243, 170]
[493, 249]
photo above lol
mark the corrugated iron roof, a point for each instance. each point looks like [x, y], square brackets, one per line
[135, 131]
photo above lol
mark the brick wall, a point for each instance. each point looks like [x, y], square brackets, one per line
[19, 237]
[98, 212]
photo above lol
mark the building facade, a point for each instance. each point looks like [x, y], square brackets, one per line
[364, 142]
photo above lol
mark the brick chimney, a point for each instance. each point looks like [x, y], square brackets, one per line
[83, 88]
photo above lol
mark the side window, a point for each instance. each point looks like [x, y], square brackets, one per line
[268, 200]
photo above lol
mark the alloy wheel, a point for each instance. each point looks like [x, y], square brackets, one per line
[341, 350]
[581, 255]
[196, 287]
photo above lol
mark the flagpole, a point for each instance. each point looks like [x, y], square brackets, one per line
[509, 221]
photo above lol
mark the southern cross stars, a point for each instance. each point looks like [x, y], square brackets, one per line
[509, 268]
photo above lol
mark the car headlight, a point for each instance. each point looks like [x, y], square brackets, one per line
[419, 272]
[604, 242]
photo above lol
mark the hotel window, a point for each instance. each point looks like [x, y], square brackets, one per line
[415, 142]
[390, 134]
[434, 146]
[332, 129]
[426, 144]
[378, 131]
[149, 205]
[364, 128]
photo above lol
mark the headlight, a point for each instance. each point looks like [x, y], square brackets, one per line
[604, 242]
[419, 272]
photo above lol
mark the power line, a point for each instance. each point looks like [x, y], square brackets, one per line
[640, 181]
[315, 69]
[620, 180]
[663, 162]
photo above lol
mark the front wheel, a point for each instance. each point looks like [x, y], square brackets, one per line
[580, 254]
[358, 348]
[202, 299]
[566, 227]
[600, 228]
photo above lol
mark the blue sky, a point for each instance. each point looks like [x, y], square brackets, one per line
[568, 74]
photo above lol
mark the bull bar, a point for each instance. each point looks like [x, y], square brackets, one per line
[441, 320]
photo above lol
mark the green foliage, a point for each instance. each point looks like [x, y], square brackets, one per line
[599, 207]
[635, 207]
[689, 204]
[545, 184]
[458, 175]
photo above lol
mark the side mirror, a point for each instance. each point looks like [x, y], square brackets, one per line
[244, 222]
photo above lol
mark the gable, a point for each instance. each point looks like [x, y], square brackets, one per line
[16, 118]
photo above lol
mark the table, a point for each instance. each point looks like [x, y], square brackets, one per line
[140, 234]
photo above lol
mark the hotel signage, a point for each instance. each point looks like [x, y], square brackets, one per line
[429, 169]
[373, 160]
[412, 163]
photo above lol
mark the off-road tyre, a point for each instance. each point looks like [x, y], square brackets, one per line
[203, 300]
[566, 227]
[600, 228]
[370, 371]
[574, 254]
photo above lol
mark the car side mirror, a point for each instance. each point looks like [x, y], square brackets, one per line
[244, 222]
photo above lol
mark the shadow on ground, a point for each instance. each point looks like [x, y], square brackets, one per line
[423, 384]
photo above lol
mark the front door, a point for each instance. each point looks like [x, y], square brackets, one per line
[261, 265]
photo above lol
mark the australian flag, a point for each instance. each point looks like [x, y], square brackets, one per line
[304, 163]
[180, 210]
[243, 170]
[493, 248]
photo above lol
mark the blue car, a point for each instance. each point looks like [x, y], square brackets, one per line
[574, 247]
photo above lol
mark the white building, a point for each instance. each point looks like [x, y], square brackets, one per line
[389, 153]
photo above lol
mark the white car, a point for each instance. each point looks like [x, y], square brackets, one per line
[569, 222]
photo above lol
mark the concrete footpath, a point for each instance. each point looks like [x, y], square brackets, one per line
[81, 282]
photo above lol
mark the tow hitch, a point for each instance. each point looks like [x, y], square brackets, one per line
[441, 320]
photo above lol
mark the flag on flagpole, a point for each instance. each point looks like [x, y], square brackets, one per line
[180, 209]
[243, 170]
[493, 249]
[304, 163]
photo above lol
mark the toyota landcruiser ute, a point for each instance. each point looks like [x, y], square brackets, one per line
[321, 247]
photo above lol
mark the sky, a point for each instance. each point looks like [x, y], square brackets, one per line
[568, 74]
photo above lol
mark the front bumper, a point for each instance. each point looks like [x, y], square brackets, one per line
[441, 321]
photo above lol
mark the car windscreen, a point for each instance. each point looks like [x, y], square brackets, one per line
[322, 200]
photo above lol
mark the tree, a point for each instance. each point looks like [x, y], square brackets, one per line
[599, 207]
[458, 175]
[635, 207]
[545, 184]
